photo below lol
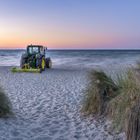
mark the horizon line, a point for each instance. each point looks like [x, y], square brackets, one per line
[80, 49]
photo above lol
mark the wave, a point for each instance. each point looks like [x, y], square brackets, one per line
[77, 58]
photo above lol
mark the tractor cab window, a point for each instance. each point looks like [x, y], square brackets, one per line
[33, 50]
[42, 50]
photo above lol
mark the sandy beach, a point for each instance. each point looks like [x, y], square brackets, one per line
[47, 106]
[69, 70]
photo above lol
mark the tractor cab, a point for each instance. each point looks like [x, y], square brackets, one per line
[36, 49]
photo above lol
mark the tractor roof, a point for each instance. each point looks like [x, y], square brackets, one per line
[39, 46]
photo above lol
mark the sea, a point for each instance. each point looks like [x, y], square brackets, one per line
[78, 58]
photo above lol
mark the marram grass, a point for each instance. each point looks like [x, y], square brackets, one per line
[129, 93]
[100, 90]
[112, 98]
[5, 105]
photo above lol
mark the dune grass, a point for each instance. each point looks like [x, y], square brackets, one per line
[120, 106]
[138, 64]
[99, 91]
[113, 98]
[133, 125]
[5, 105]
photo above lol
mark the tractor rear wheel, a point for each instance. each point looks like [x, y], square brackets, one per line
[48, 63]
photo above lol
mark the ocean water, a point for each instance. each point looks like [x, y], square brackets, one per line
[78, 58]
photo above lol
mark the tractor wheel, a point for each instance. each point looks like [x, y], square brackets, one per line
[40, 63]
[43, 64]
[48, 63]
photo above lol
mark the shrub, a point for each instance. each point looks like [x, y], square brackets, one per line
[112, 97]
[5, 106]
[99, 91]
[133, 125]
[129, 92]
[138, 65]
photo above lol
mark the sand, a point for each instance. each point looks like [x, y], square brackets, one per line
[47, 107]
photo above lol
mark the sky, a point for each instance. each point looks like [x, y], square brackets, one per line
[70, 24]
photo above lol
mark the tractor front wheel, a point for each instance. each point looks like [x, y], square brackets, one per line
[43, 64]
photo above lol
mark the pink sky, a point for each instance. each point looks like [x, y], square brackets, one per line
[72, 24]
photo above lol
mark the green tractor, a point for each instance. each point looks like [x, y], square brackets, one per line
[35, 59]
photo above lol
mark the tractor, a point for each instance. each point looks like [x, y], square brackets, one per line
[35, 58]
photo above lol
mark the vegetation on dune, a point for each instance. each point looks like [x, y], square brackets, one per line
[100, 91]
[133, 125]
[120, 106]
[114, 98]
[138, 65]
[5, 106]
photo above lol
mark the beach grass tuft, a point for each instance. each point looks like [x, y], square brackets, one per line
[112, 98]
[138, 65]
[129, 92]
[5, 105]
[99, 91]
